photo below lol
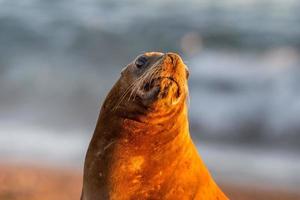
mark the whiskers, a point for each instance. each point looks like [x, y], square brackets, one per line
[131, 91]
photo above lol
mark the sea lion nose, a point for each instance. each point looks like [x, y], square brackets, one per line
[174, 57]
[175, 63]
[175, 60]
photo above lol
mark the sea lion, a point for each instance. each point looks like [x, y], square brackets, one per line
[141, 147]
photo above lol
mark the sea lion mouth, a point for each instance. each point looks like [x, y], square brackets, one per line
[160, 88]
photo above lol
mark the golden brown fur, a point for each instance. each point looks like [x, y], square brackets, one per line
[141, 147]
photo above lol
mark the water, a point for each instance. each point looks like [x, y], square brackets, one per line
[249, 98]
[260, 167]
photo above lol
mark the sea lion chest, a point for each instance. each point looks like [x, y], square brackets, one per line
[145, 166]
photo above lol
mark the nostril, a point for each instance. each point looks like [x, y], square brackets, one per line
[171, 57]
[174, 58]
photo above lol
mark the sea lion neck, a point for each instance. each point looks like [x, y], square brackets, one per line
[144, 126]
[155, 129]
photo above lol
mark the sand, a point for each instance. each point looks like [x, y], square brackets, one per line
[21, 182]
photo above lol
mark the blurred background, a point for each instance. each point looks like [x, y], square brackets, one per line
[58, 59]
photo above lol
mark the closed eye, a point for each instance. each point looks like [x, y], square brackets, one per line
[141, 61]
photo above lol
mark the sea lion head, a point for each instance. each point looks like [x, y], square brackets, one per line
[153, 82]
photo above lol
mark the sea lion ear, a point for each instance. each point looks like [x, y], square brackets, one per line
[123, 70]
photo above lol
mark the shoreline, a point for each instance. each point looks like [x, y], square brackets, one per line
[33, 182]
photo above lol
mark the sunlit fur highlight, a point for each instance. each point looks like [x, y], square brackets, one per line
[141, 148]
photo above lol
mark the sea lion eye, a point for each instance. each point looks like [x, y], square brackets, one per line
[140, 62]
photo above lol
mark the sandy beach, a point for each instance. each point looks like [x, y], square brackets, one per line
[24, 182]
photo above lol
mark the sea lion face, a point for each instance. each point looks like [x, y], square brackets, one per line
[154, 81]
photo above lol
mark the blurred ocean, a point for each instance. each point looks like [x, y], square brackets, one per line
[58, 59]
